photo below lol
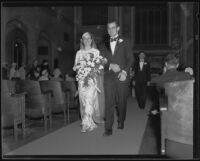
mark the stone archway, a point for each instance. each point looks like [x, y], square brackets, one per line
[16, 43]
[19, 55]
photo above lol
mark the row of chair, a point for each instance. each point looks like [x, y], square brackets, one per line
[177, 120]
[41, 99]
[13, 107]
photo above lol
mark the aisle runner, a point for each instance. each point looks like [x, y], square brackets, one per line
[70, 141]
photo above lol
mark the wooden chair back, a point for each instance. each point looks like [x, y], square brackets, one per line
[177, 120]
[58, 99]
[36, 102]
[71, 87]
[13, 107]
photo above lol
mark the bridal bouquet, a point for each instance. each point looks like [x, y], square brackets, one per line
[89, 68]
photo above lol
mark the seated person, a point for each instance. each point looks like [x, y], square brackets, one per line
[170, 75]
[22, 72]
[57, 75]
[44, 76]
[45, 65]
[12, 71]
[16, 75]
[31, 68]
[36, 75]
[5, 70]
[69, 78]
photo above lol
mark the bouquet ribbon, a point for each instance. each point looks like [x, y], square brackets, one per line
[97, 89]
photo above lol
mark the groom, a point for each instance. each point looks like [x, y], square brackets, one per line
[119, 57]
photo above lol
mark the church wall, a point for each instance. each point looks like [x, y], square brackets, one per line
[38, 21]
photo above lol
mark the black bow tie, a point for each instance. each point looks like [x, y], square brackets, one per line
[113, 39]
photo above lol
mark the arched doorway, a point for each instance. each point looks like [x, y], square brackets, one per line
[16, 47]
[18, 52]
[16, 42]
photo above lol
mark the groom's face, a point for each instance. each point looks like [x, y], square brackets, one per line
[113, 29]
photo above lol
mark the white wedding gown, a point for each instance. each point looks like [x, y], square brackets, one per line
[91, 112]
[88, 98]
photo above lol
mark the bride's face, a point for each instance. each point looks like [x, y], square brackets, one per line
[87, 41]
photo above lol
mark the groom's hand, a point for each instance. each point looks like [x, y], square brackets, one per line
[115, 68]
[122, 76]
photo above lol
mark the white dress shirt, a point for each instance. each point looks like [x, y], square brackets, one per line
[141, 65]
[113, 44]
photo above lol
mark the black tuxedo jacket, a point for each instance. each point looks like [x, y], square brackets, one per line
[122, 56]
[144, 75]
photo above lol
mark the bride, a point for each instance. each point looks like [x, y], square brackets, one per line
[91, 97]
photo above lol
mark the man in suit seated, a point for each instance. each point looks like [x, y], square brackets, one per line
[170, 75]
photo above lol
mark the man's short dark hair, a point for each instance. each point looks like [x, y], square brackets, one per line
[172, 59]
[113, 20]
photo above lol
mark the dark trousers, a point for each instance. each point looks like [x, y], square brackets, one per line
[154, 97]
[116, 94]
[141, 94]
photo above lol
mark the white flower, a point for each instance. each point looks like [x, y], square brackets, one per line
[121, 40]
[82, 63]
[97, 61]
[88, 57]
[91, 82]
[92, 64]
[100, 67]
[89, 67]
[95, 54]
[105, 60]
[89, 63]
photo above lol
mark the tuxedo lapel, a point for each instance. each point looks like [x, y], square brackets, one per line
[107, 44]
[116, 47]
[144, 66]
[140, 69]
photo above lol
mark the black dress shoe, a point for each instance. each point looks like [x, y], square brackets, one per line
[120, 125]
[107, 133]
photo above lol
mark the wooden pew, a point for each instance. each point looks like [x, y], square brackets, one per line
[58, 101]
[177, 120]
[38, 102]
[13, 107]
[69, 88]
[11, 84]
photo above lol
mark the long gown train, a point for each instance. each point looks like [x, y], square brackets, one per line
[92, 104]
[88, 98]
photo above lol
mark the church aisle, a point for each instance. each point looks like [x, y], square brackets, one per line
[70, 141]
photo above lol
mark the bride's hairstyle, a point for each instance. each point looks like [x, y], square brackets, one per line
[93, 44]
